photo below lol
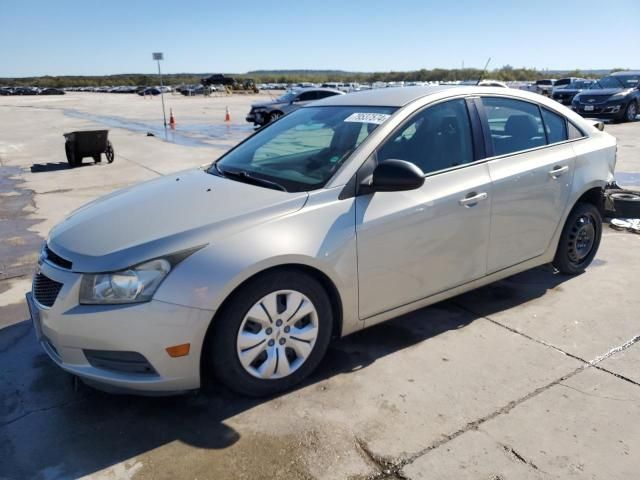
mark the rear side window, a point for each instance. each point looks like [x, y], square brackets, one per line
[515, 125]
[323, 94]
[555, 126]
[574, 132]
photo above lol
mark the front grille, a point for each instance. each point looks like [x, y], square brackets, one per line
[121, 362]
[45, 290]
[56, 259]
[591, 99]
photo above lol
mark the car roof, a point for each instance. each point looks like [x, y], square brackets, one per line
[626, 72]
[312, 89]
[384, 97]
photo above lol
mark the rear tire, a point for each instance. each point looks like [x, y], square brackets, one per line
[579, 240]
[273, 340]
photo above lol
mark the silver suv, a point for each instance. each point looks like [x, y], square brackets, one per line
[345, 213]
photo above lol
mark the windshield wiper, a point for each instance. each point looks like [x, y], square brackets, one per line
[246, 177]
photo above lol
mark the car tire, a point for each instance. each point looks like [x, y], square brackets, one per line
[273, 116]
[579, 240]
[631, 112]
[228, 339]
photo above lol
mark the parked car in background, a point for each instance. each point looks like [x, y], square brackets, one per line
[51, 91]
[565, 93]
[192, 90]
[563, 82]
[615, 97]
[265, 112]
[484, 83]
[544, 87]
[149, 91]
[348, 212]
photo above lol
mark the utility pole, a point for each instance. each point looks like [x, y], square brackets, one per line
[159, 56]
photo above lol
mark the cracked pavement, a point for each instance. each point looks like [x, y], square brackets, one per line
[533, 377]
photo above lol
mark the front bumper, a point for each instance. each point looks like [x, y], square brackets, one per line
[71, 333]
[602, 110]
[257, 118]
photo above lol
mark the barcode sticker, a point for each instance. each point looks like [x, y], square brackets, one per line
[376, 118]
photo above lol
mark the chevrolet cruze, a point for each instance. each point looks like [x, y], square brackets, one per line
[343, 214]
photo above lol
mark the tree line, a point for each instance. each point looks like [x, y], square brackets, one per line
[505, 73]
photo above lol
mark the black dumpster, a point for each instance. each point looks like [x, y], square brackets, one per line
[88, 143]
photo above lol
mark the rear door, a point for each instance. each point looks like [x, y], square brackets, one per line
[417, 243]
[531, 170]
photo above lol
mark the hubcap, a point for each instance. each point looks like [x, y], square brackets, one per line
[632, 111]
[582, 238]
[277, 334]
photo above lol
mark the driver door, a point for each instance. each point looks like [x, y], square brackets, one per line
[414, 244]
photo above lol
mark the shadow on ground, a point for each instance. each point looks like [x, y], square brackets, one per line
[56, 166]
[51, 426]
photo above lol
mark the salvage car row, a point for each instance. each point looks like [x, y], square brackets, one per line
[614, 97]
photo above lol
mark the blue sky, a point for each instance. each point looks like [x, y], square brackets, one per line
[92, 37]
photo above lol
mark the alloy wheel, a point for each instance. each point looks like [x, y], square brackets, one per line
[277, 334]
[632, 111]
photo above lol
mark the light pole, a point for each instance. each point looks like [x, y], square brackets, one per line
[159, 56]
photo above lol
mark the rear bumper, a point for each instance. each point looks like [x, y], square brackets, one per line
[71, 333]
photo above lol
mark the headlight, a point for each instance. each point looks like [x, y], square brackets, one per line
[134, 285]
[618, 96]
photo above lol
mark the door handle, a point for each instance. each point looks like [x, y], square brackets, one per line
[558, 171]
[471, 199]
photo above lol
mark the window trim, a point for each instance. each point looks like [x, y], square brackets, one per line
[483, 116]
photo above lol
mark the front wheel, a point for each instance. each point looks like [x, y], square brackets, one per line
[631, 112]
[273, 116]
[579, 240]
[271, 334]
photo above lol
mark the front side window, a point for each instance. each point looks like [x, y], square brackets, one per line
[515, 125]
[302, 150]
[555, 126]
[437, 138]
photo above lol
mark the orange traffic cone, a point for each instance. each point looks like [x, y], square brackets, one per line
[172, 120]
[227, 116]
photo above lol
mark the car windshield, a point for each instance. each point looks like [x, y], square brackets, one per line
[578, 85]
[302, 150]
[617, 81]
[287, 97]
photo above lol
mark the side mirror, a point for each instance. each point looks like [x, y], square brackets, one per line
[394, 176]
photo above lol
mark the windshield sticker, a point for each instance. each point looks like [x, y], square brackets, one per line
[376, 118]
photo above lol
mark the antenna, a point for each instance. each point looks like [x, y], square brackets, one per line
[483, 72]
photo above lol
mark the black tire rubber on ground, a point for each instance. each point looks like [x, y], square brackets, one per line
[109, 153]
[221, 340]
[628, 116]
[626, 203]
[563, 261]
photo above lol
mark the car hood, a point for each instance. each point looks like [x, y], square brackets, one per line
[603, 91]
[163, 216]
[266, 104]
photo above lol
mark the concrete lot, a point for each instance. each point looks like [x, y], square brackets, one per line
[534, 377]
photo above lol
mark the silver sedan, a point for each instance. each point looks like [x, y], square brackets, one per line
[343, 214]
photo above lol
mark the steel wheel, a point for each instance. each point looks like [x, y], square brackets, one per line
[277, 334]
[582, 238]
